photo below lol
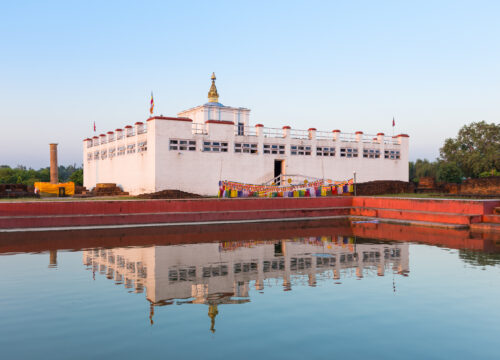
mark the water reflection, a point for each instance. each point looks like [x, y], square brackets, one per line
[222, 273]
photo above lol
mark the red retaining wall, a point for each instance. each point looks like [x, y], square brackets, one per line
[157, 206]
[117, 212]
[478, 207]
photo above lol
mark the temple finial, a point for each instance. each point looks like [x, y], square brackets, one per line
[213, 95]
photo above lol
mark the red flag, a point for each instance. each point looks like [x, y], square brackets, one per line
[393, 122]
[152, 106]
[94, 126]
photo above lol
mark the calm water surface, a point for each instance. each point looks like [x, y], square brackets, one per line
[328, 296]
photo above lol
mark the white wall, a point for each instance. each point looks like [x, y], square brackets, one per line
[200, 172]
[132, 172]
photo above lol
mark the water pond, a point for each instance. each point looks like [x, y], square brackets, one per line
[281, 292]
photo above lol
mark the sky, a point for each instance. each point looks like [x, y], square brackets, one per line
[351, 65]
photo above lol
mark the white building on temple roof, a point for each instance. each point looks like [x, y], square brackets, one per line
[212, 142]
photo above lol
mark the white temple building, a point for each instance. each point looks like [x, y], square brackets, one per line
[212, 142]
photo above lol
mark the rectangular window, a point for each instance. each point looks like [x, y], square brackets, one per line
[95, 142]
[348, 152]
[104, 154]
[111, 153]
[182, 145]
[246, 148]
[392, 154]
[325, 151]
[121, 151]
[215, 146]
[300, 150]
[371, 153]
[89, 156]
[130, 148]
[119, 135]
[96, 155]
[274, 149]
[142, 146]
[89, 144]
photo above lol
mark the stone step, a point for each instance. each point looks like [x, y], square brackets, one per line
[494, 219]
[486, 227]
[414, 215]
[454, 206]
[14, 222]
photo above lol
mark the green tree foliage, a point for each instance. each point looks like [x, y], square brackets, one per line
[475, 150]
[423, 168]
[22, 175]
[77, 177]
[449, 172]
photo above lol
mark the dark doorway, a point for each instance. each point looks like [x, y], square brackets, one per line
[278, 249]
[278, 167]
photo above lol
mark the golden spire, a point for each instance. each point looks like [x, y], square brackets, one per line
[213, 95]
[212, 313]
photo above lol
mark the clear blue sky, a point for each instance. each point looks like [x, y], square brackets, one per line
[351, 65]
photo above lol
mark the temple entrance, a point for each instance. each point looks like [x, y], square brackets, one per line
[278, 170]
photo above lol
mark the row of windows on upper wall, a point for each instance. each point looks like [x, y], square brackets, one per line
[183, 145]
[247, 148]
[277, 149]
[392, 154]
[119, 151]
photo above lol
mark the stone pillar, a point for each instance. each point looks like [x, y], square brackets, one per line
[312, 133]
[53, 259]
[54, 174]
[286, 131]
[336, 135]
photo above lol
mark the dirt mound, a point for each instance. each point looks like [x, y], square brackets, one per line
[169, 194]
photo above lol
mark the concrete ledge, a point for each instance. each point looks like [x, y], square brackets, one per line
[415, 215]
[51, 221]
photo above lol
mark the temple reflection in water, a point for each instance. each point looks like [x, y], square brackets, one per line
[221, 273]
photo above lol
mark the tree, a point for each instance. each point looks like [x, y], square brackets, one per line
[476, 149]
[449, 172]
[422, 168]
[77, 177]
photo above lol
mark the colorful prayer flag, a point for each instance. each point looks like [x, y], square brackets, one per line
[152, 104]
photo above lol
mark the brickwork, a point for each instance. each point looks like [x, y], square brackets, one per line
[482, 186]
[384, 187]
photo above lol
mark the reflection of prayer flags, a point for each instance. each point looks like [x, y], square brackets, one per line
[334, 190]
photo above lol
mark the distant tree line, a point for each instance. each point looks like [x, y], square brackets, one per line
[474, 153]
[22, 175]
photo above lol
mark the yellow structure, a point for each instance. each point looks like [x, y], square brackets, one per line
[48, 189]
